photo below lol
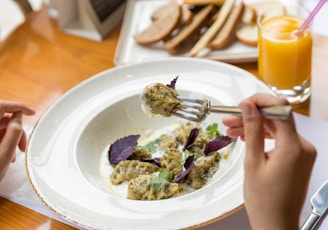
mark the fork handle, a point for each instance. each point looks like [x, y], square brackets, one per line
[274, 112]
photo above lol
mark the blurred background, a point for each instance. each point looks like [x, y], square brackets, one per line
[11, 15]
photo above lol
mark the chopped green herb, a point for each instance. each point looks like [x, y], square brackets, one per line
[187, 154]
[162, 180]
[153, 145]
[213, 130]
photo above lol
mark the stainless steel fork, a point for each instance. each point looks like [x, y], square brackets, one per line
[197, 110]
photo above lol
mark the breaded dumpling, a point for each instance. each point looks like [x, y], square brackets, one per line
[203, 170]
[171, 161]
[129, 169]
[140, 188]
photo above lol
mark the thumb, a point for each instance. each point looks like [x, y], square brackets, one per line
[254, 134]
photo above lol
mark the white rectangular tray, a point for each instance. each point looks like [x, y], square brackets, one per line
[137, 17]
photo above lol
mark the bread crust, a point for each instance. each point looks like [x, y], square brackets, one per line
[247, 34]
[203, 2]
[164, 21]
[187, 16]
[226, 34]
[249, 15]
[172, 45]
[192, 25]
[214, 28]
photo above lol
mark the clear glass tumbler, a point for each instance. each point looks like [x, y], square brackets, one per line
[284, 54]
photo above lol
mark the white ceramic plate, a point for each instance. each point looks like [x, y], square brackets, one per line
[65, 146]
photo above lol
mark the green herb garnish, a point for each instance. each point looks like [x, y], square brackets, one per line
[187, 154]
[162, 180]
[213, 130]
[153, 145]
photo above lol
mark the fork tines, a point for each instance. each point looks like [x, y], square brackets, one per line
[197, 110]
[192, 109]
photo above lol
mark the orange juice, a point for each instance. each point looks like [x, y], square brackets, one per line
[284, 56]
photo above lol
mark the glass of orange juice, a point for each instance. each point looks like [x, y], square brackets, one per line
[284, 54]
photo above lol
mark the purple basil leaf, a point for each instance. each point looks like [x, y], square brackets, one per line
[156, 161]
[173, 82]
[191, 139]
[218, 143]
[188, 165]
[121, 149]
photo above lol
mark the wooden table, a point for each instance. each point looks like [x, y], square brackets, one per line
[39, 63]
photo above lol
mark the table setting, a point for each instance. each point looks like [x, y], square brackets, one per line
[16, 187]
[81, 110]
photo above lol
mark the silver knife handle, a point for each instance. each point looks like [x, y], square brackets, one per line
[310, 222]
[274, 112]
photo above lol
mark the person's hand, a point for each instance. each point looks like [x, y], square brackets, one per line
[276, 181]
[11, 132]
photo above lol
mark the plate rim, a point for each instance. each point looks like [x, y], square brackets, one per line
[109, 71]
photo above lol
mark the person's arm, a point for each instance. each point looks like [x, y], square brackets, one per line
[11, 132]
[276, 182]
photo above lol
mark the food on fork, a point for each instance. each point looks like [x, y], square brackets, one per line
[158, 98]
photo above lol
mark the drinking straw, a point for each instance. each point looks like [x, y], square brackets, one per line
[309, 19]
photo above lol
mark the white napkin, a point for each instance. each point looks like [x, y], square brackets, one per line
[16, 187]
